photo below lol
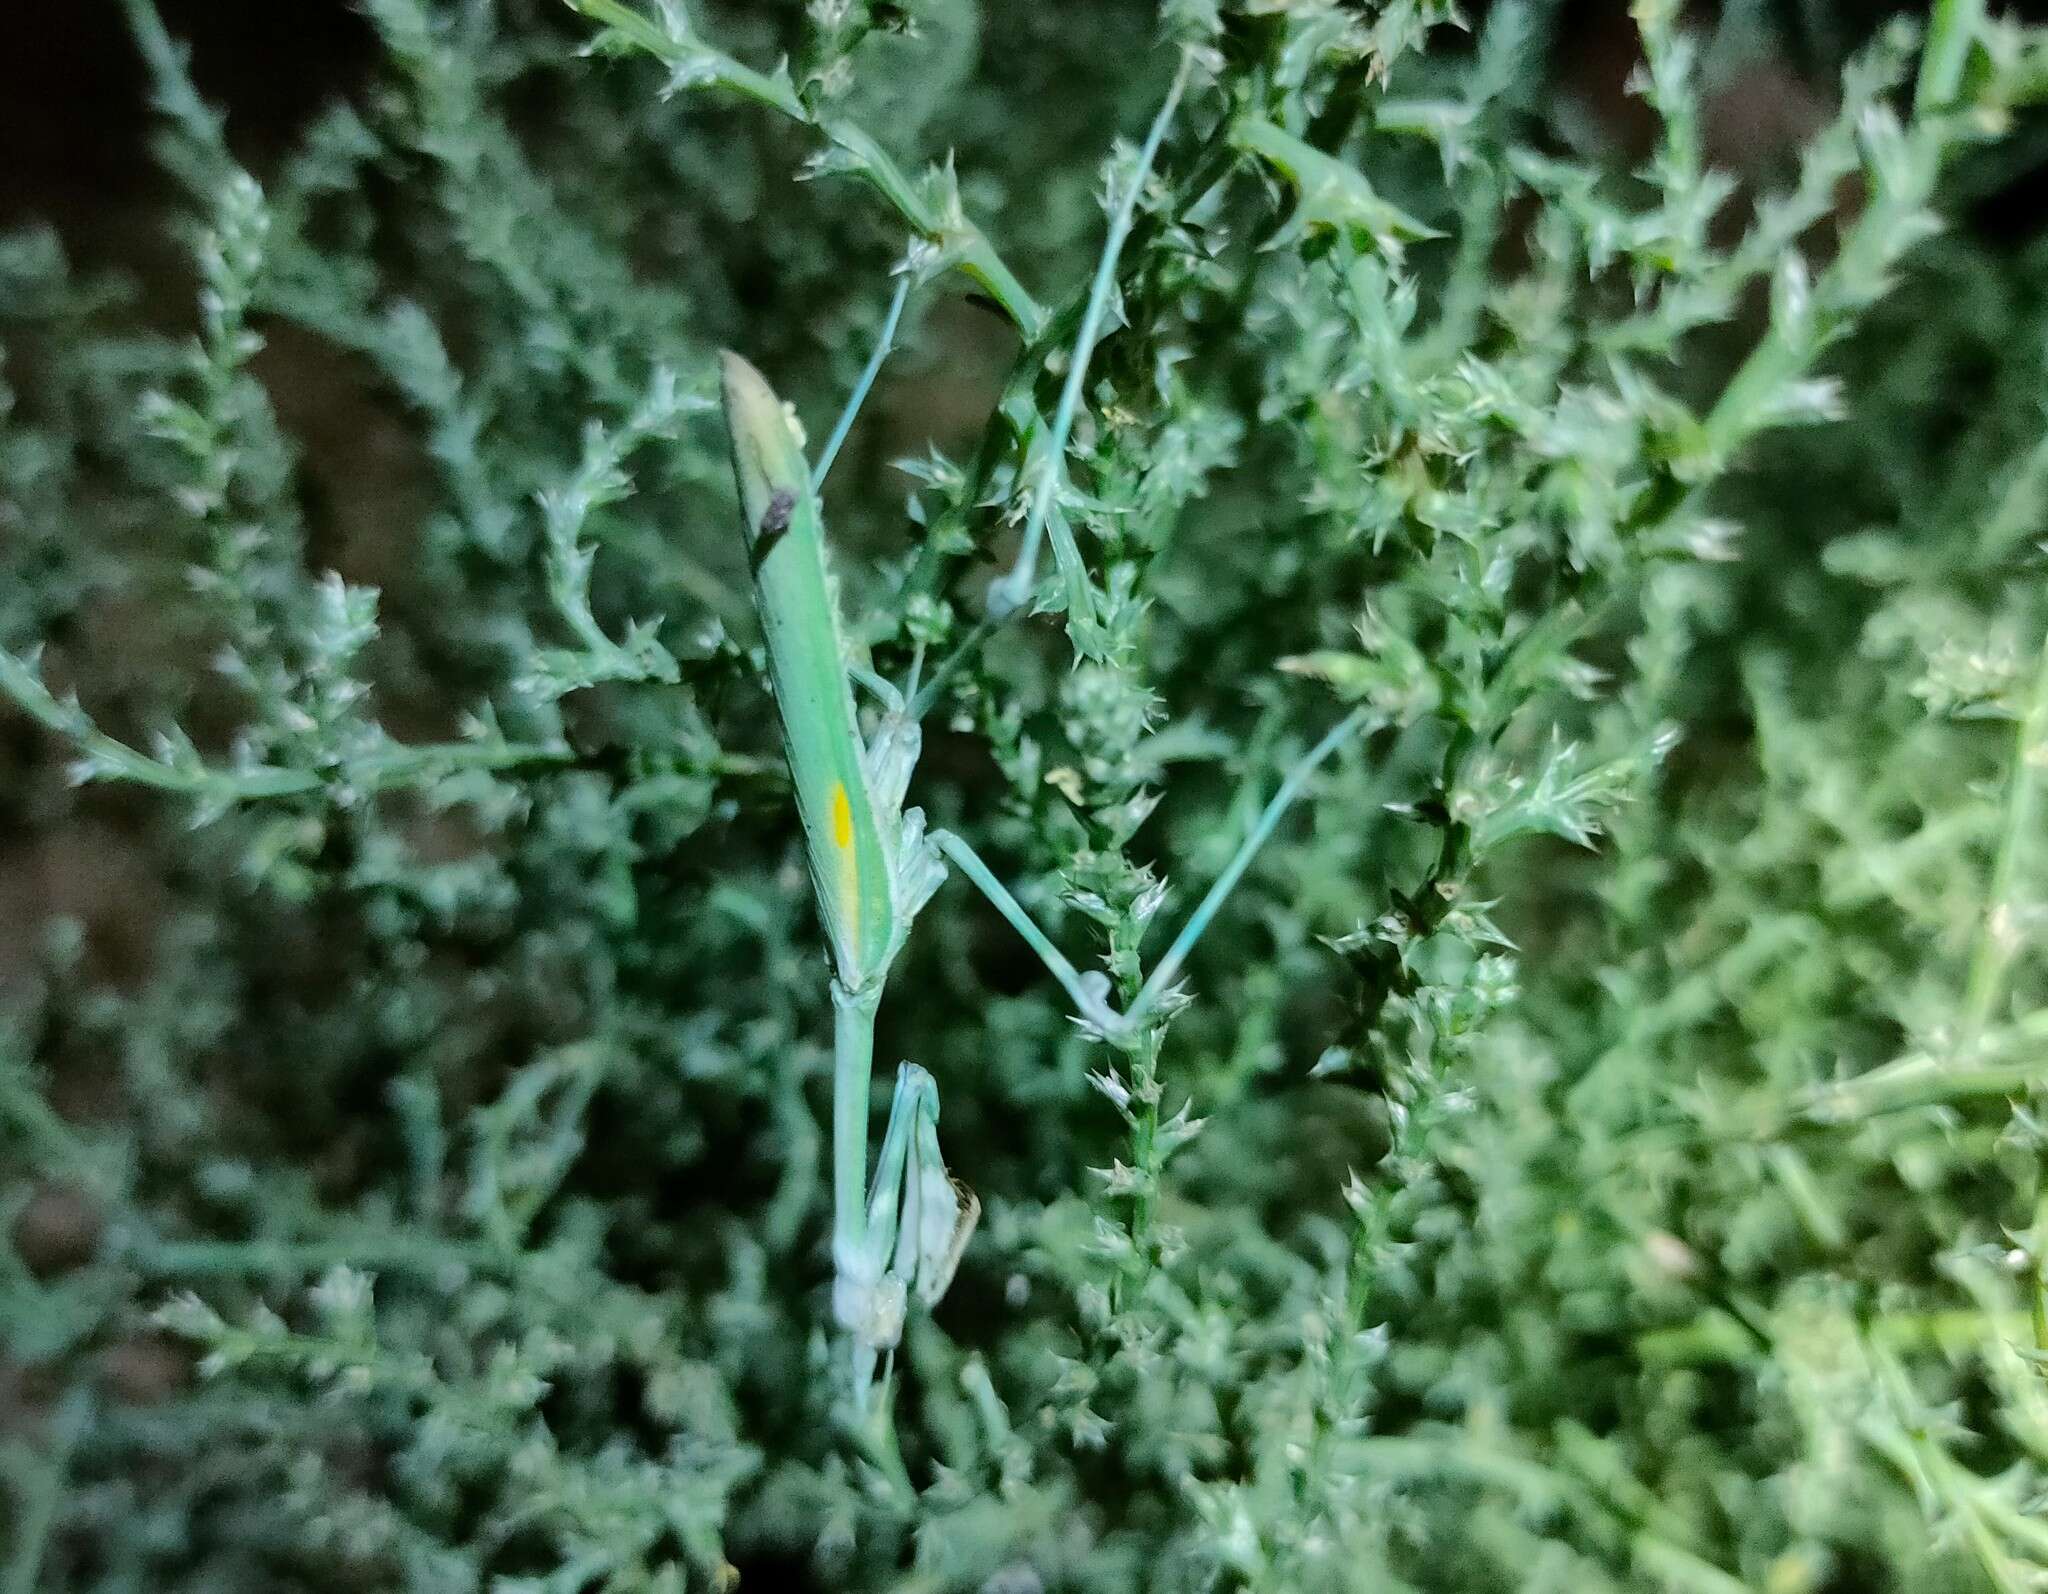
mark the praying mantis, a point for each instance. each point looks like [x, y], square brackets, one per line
[898, 1236]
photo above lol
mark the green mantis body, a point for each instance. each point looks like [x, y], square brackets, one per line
[872, 863]
[873, 866]
[852, 855]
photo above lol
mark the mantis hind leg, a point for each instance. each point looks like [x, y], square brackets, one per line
[1089, 992]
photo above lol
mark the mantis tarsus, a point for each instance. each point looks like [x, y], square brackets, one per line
[873, 866]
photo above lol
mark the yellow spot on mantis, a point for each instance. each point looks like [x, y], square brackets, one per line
[849, 863]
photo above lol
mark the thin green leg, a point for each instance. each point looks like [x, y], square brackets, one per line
[1168, 968]
[922, 699]
[859, 396]
[1013, 591]
[1085, 994]
[1086, 991]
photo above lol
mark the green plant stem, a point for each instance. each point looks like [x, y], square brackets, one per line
[873, 1429]
[421, 1255]
[389, 768]
[1715, 1337]
[1998, 934]
[1542, 1485]
[962, 244]
[2003, 1063]
[42, 1493]
[2037, 1284]
[2015, 514]
[1013, 591]
[1953, 30]
[2006, 1062]
[1742, 408]
[54, 1144]
[724, 71]
[1909, 1443]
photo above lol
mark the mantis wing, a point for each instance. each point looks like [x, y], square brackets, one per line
[851, 860]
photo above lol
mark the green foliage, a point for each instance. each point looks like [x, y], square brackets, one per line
[1598, 1145]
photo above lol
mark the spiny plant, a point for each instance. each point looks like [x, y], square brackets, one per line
[1575, 608]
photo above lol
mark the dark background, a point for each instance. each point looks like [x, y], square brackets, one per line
[74, 116]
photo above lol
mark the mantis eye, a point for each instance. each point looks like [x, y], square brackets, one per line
[775, 519]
